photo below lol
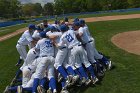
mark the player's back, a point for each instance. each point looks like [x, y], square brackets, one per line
[26, 38]
[46, 47]
[70, 38]
[87, 30]
[85, 38]
[57, 34]
[36, 35]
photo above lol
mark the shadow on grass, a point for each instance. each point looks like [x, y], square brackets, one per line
[83, 88]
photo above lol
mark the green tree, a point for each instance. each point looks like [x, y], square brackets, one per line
[38, 8]
[119, 4]
[28, 9]
[133, 3]
[93, 5]
[9, 8]
[48, 9]
[58, 7]
[15, 8]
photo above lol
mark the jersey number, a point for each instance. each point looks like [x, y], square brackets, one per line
[48, 43]
[69, 38]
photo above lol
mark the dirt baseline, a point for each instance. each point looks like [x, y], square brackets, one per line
[91, 19]
[128, 41]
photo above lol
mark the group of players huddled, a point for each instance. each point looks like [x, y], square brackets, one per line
[61, 53]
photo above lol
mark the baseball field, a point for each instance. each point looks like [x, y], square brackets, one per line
[123, 78]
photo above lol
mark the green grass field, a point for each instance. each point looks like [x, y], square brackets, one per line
[124, 78]
[10, 29]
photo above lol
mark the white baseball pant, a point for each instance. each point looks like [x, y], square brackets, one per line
[46, 63]
[22, 51]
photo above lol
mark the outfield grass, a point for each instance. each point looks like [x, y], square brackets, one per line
[6, 30]
[124, 78]
[10, 29]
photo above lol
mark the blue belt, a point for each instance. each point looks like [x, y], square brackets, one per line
[87, 42]
[44, 56]
[18, 43]
[34, 52]
[29, 68]
[62, 47]
[77, 45]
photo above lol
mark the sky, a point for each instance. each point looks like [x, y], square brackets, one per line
[36, 1]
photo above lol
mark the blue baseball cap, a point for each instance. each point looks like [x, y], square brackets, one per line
[76, 19]
[42, 34]
[52, 28]
[63, 27]
[76, 23]
[31, 26]
[82, 22]
[47, 29]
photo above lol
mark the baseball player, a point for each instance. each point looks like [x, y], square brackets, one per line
[22, 88]
[36, 35]
[45, 24]
[85, 60]
[85, 41]
[24, 40]
[46, 49]
[96, 53]
[60, 52]
[56, 25]
[61, 55]
[75, 51]
[32, 54]
[54, 33]
[76, 20]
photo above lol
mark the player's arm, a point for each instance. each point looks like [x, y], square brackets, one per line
[31, 40]
[37, 47]
[60, 44]
[33, 43]
[54, 36]
[80, 33]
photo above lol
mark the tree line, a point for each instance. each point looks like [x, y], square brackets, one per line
[14, 9]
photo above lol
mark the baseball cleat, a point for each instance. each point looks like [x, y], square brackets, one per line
[40, 89]
[68, 81]
[19, 62]
[109, 65]
[83, 80]
[54, 91]
[59, 77]
[49, 91]
[64, 91]
[101, 74]
[7, 90]
[19, 89]
[104, 69]
[88, 81]
[75, 79]
[94, 80]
